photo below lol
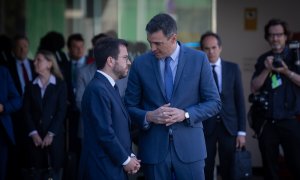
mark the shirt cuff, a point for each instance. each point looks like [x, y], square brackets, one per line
[51, 133]
[33, 133]
[146, 124]
[241, 133]
[127, 161]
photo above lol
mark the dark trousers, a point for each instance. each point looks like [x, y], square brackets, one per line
[3, 152]
[286, 133]
[225, 143]
[172, 166]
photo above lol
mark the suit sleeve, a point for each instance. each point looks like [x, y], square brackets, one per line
[14, 101]
[239, 100]
[81, 84]
[209, 102]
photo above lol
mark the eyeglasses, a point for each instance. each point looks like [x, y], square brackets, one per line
[127, 58]
[273, 35]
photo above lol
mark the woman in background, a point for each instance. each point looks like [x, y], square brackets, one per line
[45, 105]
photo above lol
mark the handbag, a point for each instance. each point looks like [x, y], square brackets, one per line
[242, 165]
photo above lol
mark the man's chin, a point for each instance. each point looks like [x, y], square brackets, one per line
[123, 76]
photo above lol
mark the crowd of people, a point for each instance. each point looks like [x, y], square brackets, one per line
[79, 112]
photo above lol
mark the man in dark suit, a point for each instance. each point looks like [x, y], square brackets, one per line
[227, 129]
[22, 71]
[21, 67]
[106, 150]
[10, 101]
[170, 92]
[77, 60]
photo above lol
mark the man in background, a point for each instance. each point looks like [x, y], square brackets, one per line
[226, 130]
[277, 74]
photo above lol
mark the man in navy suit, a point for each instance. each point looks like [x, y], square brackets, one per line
[170, 92]
[22, 72]
[228, 128]
[10, 101]
[106, 150]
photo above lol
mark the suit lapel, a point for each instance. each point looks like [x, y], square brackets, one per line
[118, 99]
[181, 63]
[16, 77]
[225, 75]
[112, 90]
[36, 91]
[48, 93]
[157, 73]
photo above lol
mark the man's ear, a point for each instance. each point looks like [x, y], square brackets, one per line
[110, 61]
[174, 38]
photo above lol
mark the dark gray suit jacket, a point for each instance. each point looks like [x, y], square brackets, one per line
[233, 105]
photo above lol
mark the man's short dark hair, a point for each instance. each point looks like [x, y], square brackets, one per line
[106, 48]
[275, 22]
[210, 33]
[162, 22]
[74, 37]
[19, 37]
[98, 37]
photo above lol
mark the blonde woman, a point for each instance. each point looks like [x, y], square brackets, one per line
[45, 108]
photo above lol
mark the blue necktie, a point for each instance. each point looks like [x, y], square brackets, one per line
[168, 78]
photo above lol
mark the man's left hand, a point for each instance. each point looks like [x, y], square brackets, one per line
[175, 115]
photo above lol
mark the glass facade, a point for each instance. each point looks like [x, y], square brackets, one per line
[89, 17]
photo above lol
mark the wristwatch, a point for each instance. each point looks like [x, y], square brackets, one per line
[186, 115]
[187, 118]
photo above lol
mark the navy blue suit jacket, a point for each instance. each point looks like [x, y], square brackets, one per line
[233, 105]
[11, 101]
[194, 91]
[12, 66]
[107, 142]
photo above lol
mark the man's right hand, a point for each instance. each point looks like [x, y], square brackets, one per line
[133, 166]
[37, 140]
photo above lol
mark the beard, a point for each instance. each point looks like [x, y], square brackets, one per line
[277, 47]
[120, 72]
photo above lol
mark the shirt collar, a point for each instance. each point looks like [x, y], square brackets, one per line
[175, 54]
[110, 79]
[52, 80]
[81, 61]
[217, 63]
[19, 62]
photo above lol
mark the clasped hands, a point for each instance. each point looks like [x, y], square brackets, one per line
[165, 115]
[37, 140]
[133, 166]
